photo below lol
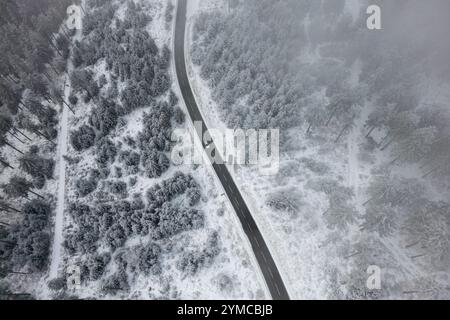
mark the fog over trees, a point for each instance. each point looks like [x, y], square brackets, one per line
[312, 68]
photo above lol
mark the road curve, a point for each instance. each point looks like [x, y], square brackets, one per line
[262, 253]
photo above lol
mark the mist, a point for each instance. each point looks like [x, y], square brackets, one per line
[420, 28]
[364, 131]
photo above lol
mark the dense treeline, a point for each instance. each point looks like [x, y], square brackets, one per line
[121, 219]
[129, 52]
[33, 51]
[242, 66]
[27, 244]
[115, 222]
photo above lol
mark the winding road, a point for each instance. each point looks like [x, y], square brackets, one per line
[262, 253]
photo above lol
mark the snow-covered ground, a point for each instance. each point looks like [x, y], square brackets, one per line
[234, 273]
[305, 250]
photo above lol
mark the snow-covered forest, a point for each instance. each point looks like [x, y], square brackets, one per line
[130, 222]
[364, 120]
[92, 207]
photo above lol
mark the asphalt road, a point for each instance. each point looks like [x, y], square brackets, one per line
[262, 253]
